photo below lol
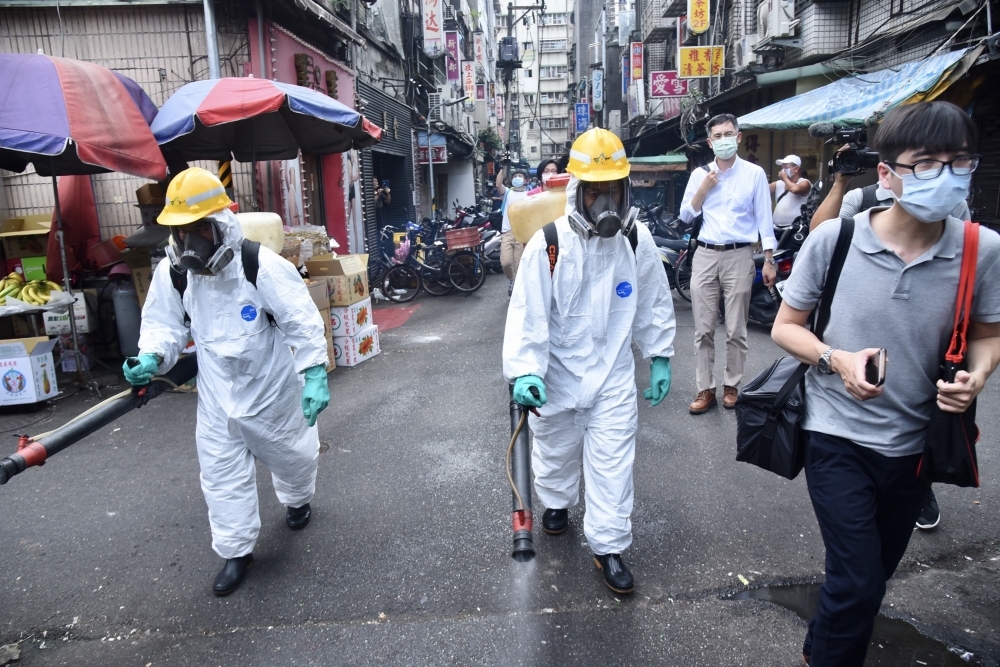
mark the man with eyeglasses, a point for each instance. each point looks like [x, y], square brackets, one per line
[734, 199]
[897, 291]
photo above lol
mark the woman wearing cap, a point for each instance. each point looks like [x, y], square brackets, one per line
[790, 190]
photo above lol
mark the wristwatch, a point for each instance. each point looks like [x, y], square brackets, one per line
[824, 361]
[771, 262]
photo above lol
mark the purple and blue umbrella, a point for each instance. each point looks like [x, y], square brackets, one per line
[255, 119]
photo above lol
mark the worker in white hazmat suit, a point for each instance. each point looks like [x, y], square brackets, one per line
[581, 297]
[252, 401]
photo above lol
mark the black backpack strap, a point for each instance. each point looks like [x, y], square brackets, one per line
[180, 282]
[699, 220]
[633, 237]
[868, 197]
[833, 275]
[551, 245]
[250, 253]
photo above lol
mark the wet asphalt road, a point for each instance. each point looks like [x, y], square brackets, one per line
[106, 555]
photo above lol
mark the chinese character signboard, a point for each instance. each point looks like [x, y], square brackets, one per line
[582, 116]
[700, 62]
[636, 99]
[480, 92]
[698, 16]
[666, 84]
[479, 50]
[451, 62]
[440, 154]
[433, 27]
[469, 80]
[626, 72]
[499, 106]
[598, 89]
[636, 61]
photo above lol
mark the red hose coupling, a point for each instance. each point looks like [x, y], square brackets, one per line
[33, 453]
[521, 520]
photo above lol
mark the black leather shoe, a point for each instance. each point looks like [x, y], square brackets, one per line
[298, 517]
[231, 575]
[555, 521]
[616, 575]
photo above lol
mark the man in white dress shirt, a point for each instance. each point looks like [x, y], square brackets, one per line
[734, 198]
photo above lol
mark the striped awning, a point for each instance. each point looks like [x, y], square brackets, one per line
[851, 101]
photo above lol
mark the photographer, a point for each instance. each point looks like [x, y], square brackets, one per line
[844, 203]
[383, 197]
[791, 190]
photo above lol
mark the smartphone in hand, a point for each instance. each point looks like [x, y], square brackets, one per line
[875, 368]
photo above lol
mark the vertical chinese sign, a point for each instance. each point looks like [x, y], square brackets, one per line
[626, 72]
[698, 17]
[479, 51]
[433, 27]
[636, 61]
[598, 89]
[469, 80]
[582, 116]
[700, 62]
[451, 46]
[480, 92]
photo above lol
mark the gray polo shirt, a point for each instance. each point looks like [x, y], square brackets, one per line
[907, 309]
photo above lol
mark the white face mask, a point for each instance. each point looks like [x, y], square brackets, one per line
[517, 182]
[931, 201]
[788, 172]
[725, 147]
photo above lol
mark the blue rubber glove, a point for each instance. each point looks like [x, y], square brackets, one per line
[522, 391]
[659, 380]
[316, 393]
[140, 374]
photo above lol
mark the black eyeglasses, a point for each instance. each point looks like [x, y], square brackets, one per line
[926, 170]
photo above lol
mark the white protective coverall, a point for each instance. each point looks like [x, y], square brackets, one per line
[249, 393]
[574, 329]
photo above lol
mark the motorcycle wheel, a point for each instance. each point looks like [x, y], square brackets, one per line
[682, 276]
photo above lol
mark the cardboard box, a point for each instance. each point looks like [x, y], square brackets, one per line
[27, 236]
[57, 324]
[352, 350]
[346, 277]
[33, 268]
[335, 265]
[327, 330]
[140, 261]
[67, 358]
[331, 362]
[317, 290]
[151, 194]
[27, 371]
[350, 320]
[346, 290]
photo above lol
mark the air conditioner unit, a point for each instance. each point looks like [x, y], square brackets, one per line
[744, 52]
[776, 20]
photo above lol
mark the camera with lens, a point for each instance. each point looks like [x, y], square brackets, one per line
[857, 157]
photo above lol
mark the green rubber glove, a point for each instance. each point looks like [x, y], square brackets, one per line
[522, 391]
[140, 374]
[659, 380]
[316, 393]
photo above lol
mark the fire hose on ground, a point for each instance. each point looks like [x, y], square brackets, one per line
[34, 450]
[519, 477]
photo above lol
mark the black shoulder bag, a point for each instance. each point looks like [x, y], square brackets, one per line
[697, 223]
[770, 407]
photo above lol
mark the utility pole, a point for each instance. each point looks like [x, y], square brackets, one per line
[212, 38]
[511, 116]
[430, 153]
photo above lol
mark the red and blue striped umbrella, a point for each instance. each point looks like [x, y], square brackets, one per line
[73, 117]
[254, 119]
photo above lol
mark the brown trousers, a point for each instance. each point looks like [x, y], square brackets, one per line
[510, 254]
[730, 272]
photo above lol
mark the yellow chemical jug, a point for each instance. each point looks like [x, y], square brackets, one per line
[529, 215]
[264, 228]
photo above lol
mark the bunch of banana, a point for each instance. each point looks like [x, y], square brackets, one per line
[35, 292]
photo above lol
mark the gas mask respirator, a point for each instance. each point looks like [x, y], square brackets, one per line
[197, 254]
[610, 214]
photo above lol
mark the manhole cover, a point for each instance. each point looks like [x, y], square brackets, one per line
[324, 447]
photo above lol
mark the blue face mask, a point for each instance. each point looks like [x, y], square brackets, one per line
[932, 201]
[517, 182]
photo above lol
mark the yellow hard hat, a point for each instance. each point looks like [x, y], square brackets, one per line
[193, 194]
[598, 155]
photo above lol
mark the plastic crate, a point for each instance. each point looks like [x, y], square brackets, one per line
[468, 237]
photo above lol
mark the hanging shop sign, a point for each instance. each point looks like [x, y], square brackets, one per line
[636, 99]
[433, 22]
[582, 116]
[479, 50]
[597, 79]
[700, 62]
[498, 104]
[666, 84]
[451, 46]
[440, 154]
[636, 61]
[626, 75]
[469, 79]
[698, 16]
[480, 92]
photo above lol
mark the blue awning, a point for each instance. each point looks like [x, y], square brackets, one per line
[852, 100]
[436, 139]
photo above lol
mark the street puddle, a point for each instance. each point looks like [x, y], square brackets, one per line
[894, 643]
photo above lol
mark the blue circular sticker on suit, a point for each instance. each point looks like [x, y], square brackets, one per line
[249, 313]
[624, 289]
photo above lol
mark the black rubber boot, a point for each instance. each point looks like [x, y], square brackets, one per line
[232, 574]
[616, 575]
[297, 517]
[555, 521]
